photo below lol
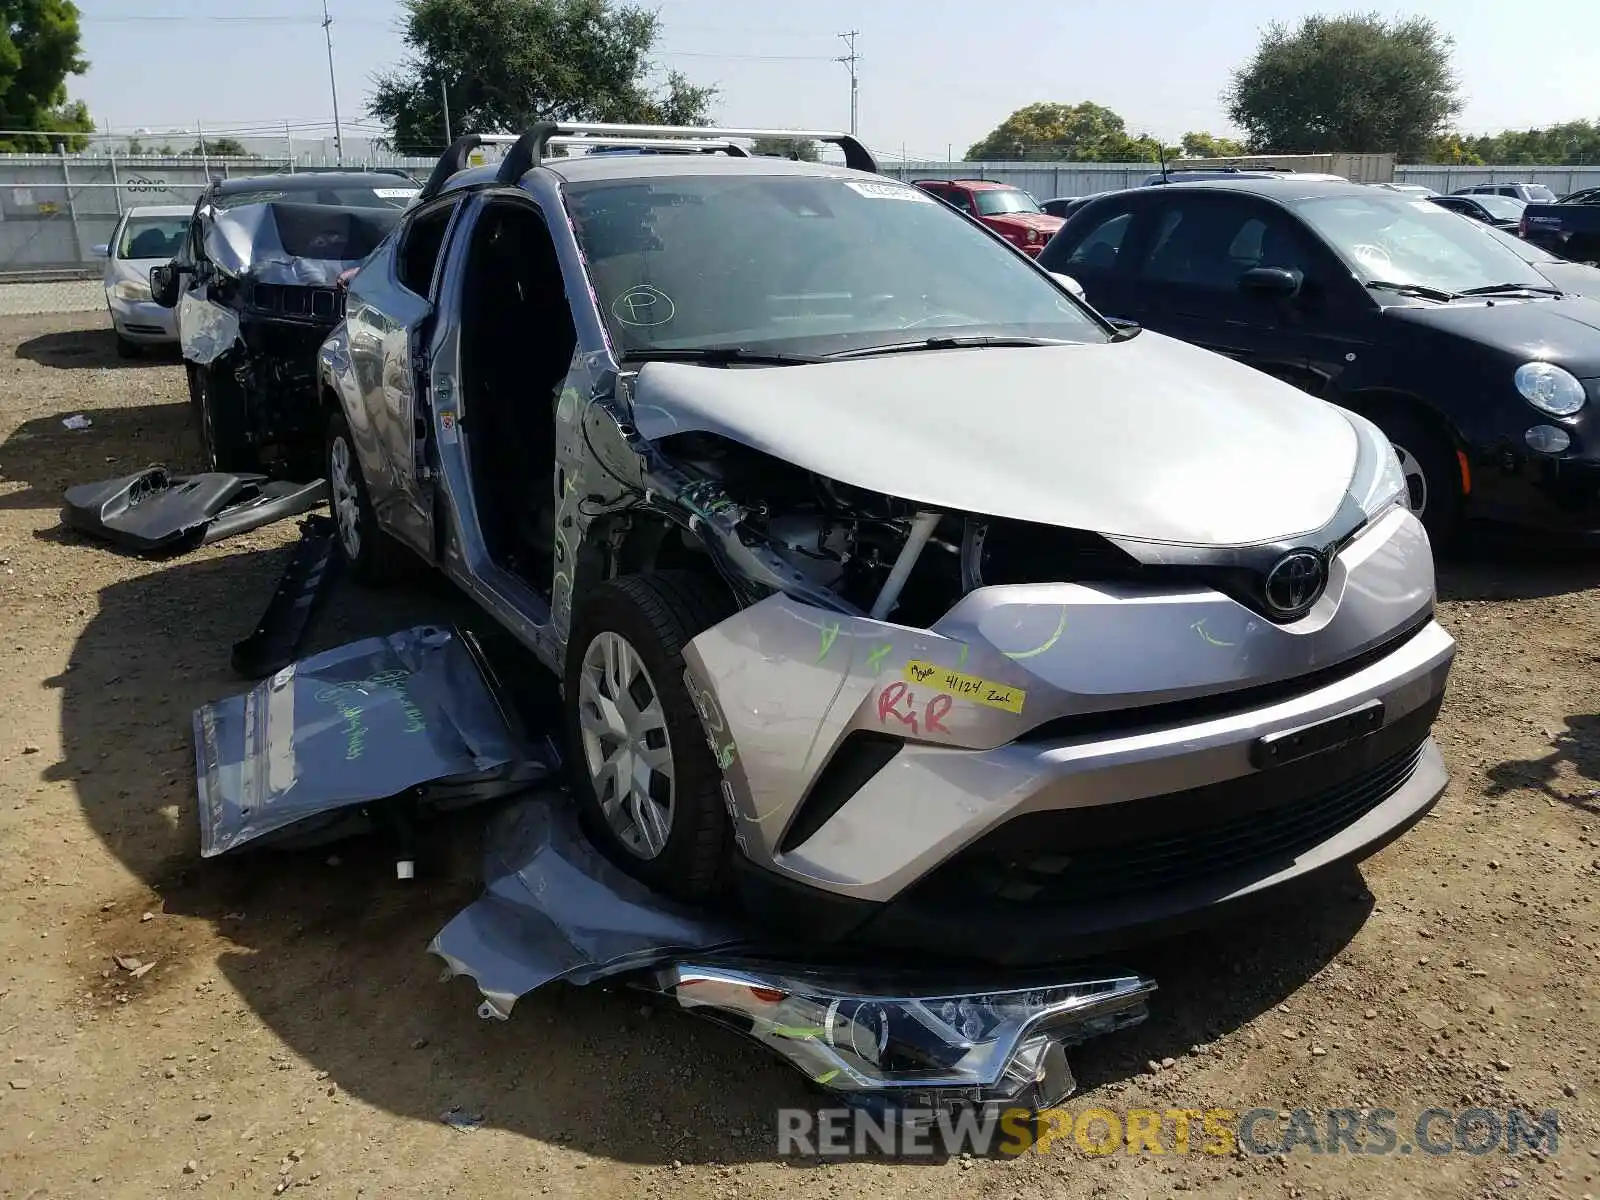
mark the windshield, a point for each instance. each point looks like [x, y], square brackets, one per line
[152, 237]
[1539, 194]
[1526, 251]
[803, 265]
[398, 194]
[1395, 240]
[1506, 208]
[1007, 200]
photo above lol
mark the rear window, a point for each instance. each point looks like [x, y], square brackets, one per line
[152, 237]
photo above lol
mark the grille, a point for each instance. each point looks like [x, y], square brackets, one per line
[1072, 856]
[293, 301]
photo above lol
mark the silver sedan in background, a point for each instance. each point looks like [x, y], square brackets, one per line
[144, 238]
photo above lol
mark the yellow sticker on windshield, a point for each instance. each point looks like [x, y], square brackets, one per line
[966, 687]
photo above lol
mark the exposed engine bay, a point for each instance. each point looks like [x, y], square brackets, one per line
[896, 560]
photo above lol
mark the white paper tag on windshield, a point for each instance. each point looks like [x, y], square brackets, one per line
[396, 193]
[1428, 206]
[889, 191]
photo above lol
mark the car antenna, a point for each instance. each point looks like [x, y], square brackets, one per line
[1161, 153]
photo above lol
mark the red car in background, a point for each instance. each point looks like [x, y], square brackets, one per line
[1009, 211]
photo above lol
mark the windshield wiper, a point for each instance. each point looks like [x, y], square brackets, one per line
[1412, 289]
[1495, 289]
[715, 355]
[944, 343]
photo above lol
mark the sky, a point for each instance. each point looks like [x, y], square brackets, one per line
[933, 78]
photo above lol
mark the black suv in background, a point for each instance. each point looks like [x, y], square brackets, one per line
[256, 285]
[1483, 374]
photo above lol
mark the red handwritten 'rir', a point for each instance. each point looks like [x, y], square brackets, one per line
[889, 702]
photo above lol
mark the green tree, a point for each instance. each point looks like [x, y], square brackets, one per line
[39, 48]
[802, 148]
[1086, 132]
[507, 64]
[1571, 143]
[224, 147]
[1356, 83]
[1208, 145]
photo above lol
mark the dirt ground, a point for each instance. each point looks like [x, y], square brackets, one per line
[293, 1032]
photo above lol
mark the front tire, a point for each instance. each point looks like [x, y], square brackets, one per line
[649, 789]
[220, 408]
[374, 558]
[1433, 475]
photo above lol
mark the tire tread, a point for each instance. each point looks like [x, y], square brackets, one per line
[676, 606]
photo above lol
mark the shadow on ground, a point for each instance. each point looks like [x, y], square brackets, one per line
[92, 349]
[332, 957]
[1577, 745]
[1500, 567]
[47, 457]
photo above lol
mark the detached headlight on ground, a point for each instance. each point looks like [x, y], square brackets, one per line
[990, 1047]
[1549, 388]
[131, 289]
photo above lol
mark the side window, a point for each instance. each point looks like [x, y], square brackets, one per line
[1098, 251]
[420, 243]
[1211, 242]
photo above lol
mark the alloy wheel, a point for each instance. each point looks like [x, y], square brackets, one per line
[626, 747]
[346, 497]
[1416, 480]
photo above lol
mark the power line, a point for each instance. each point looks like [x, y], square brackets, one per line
[850, 61]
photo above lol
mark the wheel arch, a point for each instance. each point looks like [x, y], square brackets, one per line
[1374, 402]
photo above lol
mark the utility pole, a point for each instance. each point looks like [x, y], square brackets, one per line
[850, 60]
[444, 98]
[333, 85]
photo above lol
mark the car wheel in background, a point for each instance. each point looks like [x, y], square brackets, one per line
[373, 556]
[1432, 471]
[649, 788]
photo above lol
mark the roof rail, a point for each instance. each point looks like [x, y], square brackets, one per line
[701, 145]
[528, 149]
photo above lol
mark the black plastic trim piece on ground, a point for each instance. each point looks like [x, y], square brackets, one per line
[307, 578]
[154, 512]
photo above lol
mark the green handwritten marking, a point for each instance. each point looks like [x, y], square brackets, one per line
[1200, 628]
[827, 1076]
[1054, 638]
[962, 661]
[725, 756]
[875, 659]
[829, 636]
[804, 1032]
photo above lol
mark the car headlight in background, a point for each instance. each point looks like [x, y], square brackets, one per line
[131, 289]
[1549, 388]
[1033, 237]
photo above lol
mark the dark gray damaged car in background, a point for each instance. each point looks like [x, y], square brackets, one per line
[893, 590]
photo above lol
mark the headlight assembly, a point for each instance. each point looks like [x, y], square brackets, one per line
[131, 289]
[1388, 485]
[1549, 388]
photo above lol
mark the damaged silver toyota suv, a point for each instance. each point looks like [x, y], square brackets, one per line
[898, 597]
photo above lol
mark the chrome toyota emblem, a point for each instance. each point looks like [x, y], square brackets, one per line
[1295, 582]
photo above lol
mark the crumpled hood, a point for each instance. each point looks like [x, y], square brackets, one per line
[1148, 438]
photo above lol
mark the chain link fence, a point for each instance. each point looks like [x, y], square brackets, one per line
[55, 209]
